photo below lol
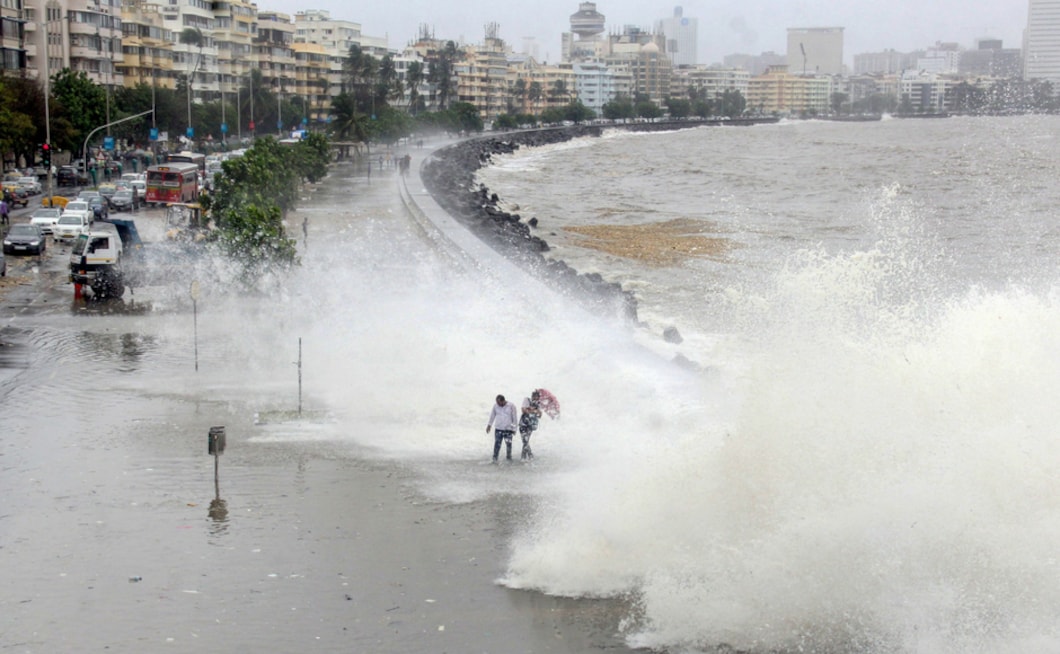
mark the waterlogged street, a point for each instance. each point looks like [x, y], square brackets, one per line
[114, 532]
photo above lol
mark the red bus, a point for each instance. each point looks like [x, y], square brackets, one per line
[188, 157]
[172, 182]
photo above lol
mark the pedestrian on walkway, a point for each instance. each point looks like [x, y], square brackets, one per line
[528, 422]
[503, 418]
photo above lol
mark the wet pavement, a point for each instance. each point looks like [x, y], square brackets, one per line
[116, 535]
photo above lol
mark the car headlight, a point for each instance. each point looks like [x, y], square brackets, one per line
[7, 242]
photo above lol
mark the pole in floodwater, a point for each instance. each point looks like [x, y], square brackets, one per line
[195, 318]
[299, 376]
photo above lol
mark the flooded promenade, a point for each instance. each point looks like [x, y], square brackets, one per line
[115, 534]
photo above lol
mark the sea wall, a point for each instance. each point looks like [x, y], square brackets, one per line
[449, 176]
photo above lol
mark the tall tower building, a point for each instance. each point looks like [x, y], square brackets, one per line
[681, 38]
[587, 24]
[815, 50]
[1041, 41]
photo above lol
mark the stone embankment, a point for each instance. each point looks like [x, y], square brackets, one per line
[449, 176]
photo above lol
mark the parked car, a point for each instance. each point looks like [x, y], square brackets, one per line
[124, 200]
[45, 218]
[25, 238]
[31, 184]
[3, 264]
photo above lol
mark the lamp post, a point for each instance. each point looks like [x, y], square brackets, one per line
[250, 85]
[47, 87]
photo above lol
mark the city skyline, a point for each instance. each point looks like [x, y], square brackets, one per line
[726, 27]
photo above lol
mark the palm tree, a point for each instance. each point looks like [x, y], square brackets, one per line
[413, 79]
[349, 123]
[192, 36]
[519, 91]
[535, 94]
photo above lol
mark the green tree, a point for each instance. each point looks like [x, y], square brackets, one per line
[467, 117]
[648, 109]
[253, 196]
[678, 107]
[576, 112]
[519, 91]
[535, 93]
[505, 121]
[620, 108]
[413, 78]
[559, 91]
[441, 73]
[18, 134]
[348, 124]
[731, 103]
[81, 103]
[837, 100]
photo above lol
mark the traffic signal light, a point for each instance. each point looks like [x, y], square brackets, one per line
[46, 155]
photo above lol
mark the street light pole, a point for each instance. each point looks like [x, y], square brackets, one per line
[84, 148]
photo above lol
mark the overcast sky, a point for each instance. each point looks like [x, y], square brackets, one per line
[725, 26]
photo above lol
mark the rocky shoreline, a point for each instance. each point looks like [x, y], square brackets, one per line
[449, 176]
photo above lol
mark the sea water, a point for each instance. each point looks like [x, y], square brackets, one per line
[867, 463]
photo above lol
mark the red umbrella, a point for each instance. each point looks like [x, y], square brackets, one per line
[548, 403]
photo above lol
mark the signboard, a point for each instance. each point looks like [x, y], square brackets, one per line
[190, 133]
[108, 142]
[252, 125]
[224, 128]
[154, 134]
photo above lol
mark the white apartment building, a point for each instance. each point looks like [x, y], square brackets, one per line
[594, 84]
[712, 81]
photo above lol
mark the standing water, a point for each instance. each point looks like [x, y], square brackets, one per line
[860, 461]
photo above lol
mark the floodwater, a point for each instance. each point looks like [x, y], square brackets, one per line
[115, 532]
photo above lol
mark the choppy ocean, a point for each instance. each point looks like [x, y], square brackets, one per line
[868, 461]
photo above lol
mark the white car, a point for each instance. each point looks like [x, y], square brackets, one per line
[45, 218]
[31, 184]
[75, 220]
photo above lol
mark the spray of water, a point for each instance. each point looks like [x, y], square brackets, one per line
[873, 473]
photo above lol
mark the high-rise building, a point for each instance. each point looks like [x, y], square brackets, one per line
[1041, 41]
[815, 50]
[681, 38]
[587, 24]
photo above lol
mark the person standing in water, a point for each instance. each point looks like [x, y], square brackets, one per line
[502, 418]
[528, 422]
